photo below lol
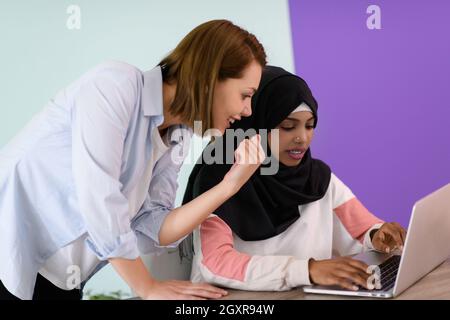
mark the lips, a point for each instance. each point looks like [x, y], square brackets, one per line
[296, 153]
[232, 119]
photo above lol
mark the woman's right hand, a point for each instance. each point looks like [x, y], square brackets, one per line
[248, 157]
[183, 290]
[344, 272]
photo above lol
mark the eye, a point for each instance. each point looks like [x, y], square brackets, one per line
[309, 127]
[245, 96]
[287, 128]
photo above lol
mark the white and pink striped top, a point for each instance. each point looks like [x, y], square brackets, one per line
[336, 225]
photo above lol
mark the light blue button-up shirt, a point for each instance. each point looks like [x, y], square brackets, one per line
[70, 170]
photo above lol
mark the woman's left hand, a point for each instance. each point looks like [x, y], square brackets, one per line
[389, 237]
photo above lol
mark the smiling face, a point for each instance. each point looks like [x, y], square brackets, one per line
[295, 136]
[232, 97]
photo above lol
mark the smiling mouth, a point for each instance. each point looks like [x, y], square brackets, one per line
[296, 154]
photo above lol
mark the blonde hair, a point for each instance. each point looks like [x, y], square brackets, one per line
[213, 51]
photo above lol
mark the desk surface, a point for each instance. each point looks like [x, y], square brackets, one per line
[435, 285]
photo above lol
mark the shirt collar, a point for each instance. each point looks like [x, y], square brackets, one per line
[152, 99]
[152, 104]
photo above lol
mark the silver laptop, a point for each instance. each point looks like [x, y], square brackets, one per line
[426, 247]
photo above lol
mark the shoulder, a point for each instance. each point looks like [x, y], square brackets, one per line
[339, 191]
[121, 75]
[117, 67]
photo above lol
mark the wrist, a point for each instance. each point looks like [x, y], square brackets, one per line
[228, 188]
[311, 263]
[146, 288]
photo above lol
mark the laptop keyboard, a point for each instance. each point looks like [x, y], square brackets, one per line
[389, 270]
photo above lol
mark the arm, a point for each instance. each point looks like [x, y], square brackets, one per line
[354, 221]
[139, 279]
[183, 220]
[358, 221]
[101, 112]
[220, 263]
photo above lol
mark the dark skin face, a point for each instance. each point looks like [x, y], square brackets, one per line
[295, 136]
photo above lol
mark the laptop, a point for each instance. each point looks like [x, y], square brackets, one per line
[426, 247]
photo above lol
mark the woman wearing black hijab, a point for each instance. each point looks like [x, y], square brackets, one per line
[281, 230]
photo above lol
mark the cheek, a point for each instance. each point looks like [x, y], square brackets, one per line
[218, 105]
[285, 139]
[281, 144]
[310, 136]
[232, 106]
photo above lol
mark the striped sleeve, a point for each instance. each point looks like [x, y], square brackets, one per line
[221, 264]
[355, 217]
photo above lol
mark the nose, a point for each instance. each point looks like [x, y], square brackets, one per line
[300, 137]
[247, 112]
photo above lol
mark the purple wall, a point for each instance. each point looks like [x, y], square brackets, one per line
[384, 96]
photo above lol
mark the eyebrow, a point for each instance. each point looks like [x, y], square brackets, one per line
[294, 119]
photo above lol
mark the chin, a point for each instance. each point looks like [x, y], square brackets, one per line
[291, 162]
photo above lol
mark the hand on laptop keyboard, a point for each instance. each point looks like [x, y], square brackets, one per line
[344, 272]
[391, 236]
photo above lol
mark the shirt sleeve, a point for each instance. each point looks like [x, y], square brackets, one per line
[221, 264]
[357, 220]
[161, 196]
[100, 116]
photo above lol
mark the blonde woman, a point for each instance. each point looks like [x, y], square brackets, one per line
[92, 179]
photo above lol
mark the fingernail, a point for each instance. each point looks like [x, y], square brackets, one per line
[401, 247]
[387, 250]
[355, 288]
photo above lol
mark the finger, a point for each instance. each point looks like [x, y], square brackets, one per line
[349, 268]
[201, 293]
[357, 264]
[380, 245]
[197, 285]
[188, 297]
[355, 276]
[204, 288]
[240, 153]
[403, 234]
[394, 234]
[380, 235]
[385, 241]
[256, 139]
[246, 152]
[253, 153]
[207, 286]
[344, 283]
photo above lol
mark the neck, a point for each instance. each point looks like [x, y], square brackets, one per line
[169, 91]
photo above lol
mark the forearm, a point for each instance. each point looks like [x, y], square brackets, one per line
[218, 262]
[134, 273]
[183, 220]
[261, 273]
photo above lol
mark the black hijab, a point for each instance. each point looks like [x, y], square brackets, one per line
[267, 204]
